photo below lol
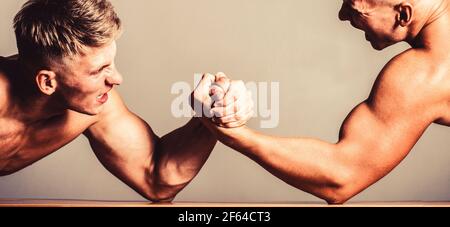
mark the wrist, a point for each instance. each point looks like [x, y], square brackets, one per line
[232, 135]
[201, 127]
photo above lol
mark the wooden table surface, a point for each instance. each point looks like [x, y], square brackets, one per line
[91, 203]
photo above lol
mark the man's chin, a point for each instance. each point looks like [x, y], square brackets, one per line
[90, 112]
[382, 45]
[377, 46]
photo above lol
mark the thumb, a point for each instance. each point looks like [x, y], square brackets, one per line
[205, 82]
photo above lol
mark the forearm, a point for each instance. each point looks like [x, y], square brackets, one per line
[307, 164]
[181, 154]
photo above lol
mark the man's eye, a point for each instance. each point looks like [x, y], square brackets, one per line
[107, 69]
[103, 70]
[98, 73]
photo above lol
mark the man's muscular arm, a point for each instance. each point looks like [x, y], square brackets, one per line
[374, 138]
[157, 168]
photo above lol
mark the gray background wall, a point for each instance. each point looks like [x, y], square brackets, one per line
[324, 67]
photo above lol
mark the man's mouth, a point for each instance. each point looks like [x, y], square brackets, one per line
[102, 98]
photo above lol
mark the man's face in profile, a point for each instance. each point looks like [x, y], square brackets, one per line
[375, 18]
[85, 79]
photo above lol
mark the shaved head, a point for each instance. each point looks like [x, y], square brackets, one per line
[379, 2]
[386, 22]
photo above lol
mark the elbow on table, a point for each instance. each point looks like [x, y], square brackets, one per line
[7, 170]
[162, 191]
[159, 196]
[345, 186]
[338, 196]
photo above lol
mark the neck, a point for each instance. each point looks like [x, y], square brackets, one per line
[29, 104]
[40, 108]
[431, 31]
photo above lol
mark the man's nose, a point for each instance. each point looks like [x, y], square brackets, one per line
[114, 79]
[344, 14]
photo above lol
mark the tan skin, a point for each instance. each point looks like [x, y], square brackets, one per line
[40, 115]
[411, 93]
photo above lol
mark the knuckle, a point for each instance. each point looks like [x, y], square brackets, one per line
[222, 74]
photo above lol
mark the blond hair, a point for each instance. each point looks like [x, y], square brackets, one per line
[47, 29]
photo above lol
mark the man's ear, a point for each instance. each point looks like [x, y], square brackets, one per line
[404, 14]
[46, 81]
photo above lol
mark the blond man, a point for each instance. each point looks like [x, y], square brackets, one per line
[61, 85]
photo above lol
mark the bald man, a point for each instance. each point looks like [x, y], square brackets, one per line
[410, 93]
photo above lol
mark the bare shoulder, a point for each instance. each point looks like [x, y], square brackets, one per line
[409, 82]
[114, 108]
[115, 122]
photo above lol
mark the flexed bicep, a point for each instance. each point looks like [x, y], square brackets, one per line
[157, 168]
[124, 144]
[379, 133]
[371, 144]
